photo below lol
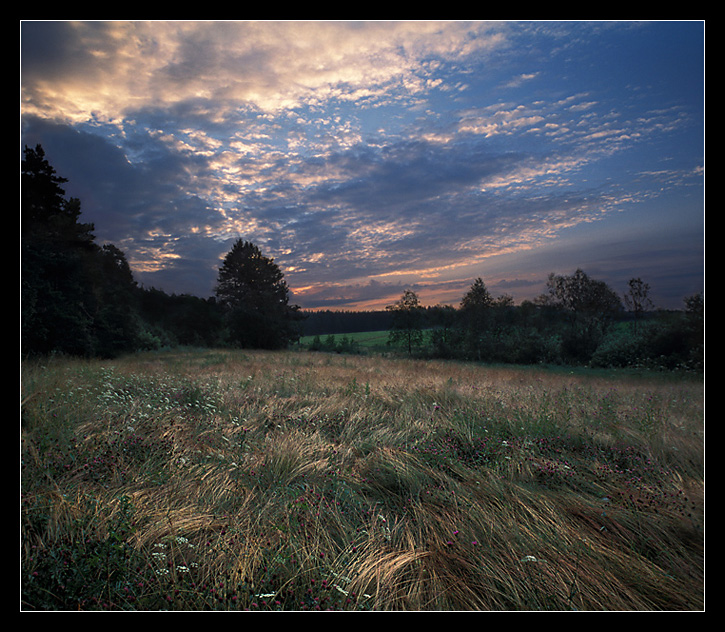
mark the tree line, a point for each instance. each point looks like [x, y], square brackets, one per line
[578, 320]
[79, 298]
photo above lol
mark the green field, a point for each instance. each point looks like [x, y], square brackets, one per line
[248, 480]
[365, 340]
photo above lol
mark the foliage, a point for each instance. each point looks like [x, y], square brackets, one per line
[255, 299]
[591, 307]
[180, 320]
[79, 298]
[580, 322]
[637, 299]
[475, 318]
[344, 344]
[322, 322]
[407, 320]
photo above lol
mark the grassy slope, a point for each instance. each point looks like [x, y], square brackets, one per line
[295, 480]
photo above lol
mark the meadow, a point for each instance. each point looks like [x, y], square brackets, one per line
[197, 480]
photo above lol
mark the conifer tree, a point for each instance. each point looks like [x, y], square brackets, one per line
[254, 296]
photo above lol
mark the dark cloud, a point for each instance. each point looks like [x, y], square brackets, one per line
[51, 48]
[371, 157]
[140, 208]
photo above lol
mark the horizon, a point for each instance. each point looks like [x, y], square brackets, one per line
[367, 158]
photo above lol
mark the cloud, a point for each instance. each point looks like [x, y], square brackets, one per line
[109, 70]
[362, 156]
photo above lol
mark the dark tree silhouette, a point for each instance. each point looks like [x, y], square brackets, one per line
[475, 315]
[586, 299]
[637, 299]
[76, 298]
[46, 215]
[254, 298]
[591, 306]
[55, 249]
[407, 320]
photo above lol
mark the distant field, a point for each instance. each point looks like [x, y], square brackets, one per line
[246, 480]
[365, 339]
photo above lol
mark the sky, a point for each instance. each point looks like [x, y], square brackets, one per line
[368, 158]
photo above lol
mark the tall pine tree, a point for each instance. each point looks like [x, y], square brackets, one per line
[75, 296]
[54, 251]
[254, 296]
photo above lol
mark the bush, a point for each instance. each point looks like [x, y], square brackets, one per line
[665, 343]
[331, 345]
[620, 349]
[533, 347]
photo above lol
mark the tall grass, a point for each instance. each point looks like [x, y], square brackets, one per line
[224, 480]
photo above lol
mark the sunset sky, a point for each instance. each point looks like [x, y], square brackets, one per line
[367, 158]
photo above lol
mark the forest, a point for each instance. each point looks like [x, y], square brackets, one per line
[79, 298]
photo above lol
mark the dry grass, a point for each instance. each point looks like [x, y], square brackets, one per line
[291, 480]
